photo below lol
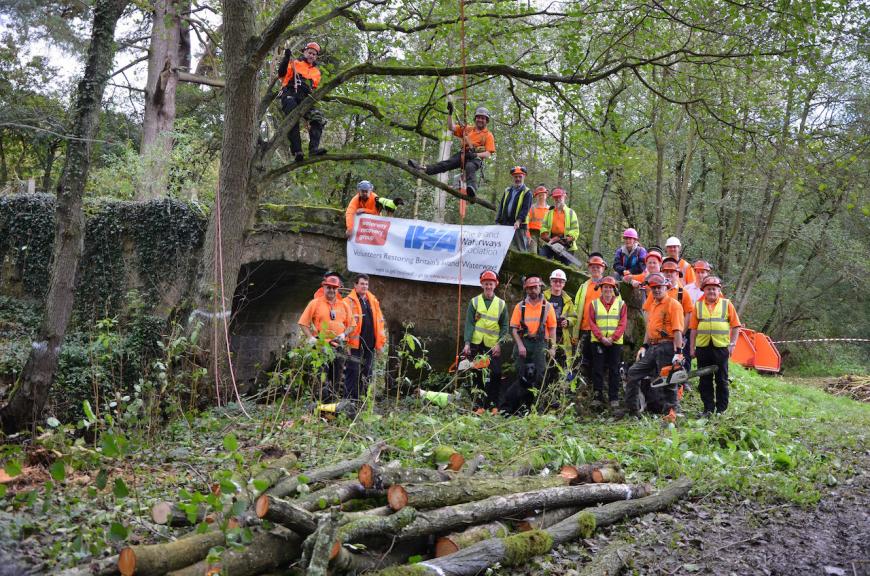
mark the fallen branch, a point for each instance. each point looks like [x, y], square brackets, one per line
[434, 495]
[268, 550]
[289, 486]
[386, 526]
[374, 476]
[156, 559]
[323, 540]
[286, 514]
[458, 540]
[546, 518]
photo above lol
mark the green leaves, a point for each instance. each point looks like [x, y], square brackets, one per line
[231, 444]
[120, 489]
[57, 471]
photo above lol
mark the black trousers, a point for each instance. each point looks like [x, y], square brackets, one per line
[712, 356]
[650, 366]
[316, 122]
[492, 387]
[326, 388]
[472, 165]
[358, 374]
[605, 365]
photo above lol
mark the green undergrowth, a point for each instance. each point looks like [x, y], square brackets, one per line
[778, 443]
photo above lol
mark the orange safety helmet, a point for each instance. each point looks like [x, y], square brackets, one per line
[532, 281]
[559, 193]
[656, 279]
[653, 253]
[313, 46]
[331, 281]
[519, 170]
[670, 265]
[595, 258]
[711, 281]
[489, 275]
[702, 265]
[606, 281]
[540, 190]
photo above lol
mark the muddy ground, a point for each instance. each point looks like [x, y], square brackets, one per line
[714, 534]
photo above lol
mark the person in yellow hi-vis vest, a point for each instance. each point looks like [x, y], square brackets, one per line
[715, 326]
[561, 226]
[585, 294]
[608, 318]
[486, 328]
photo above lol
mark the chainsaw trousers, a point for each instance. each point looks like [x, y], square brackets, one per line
[650, 366]
[472, 165]
[605, 365]
[714, 401]
[329, 380]
[316, 122]
[491, 387]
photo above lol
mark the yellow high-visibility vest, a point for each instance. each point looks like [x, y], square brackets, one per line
[607, 320]
[713, 325]
[486, 328]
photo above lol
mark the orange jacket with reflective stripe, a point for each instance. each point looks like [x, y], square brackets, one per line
[370, 206]
[352, 300]
[304, 70]
[536, 216]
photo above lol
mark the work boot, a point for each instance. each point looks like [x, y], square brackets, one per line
[470, 191]
[298, 156]
[317, 151]
[614, 405]
[416, 166]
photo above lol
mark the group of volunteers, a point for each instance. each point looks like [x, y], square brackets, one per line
[685, 313]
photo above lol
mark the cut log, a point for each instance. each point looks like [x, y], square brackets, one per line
[461, 516]
[520, 547]
[545, 519]
[364, 561]
[374, 476]
[458, 540]
[608, 562]
[169, 514]
[589, 473]
[333, 495]
[386, 526]
[289, 486]
[379, 511]
[286, 514]
[448, 457]
[435, 495]
[324, 539]
[156, 559]
[268, 550]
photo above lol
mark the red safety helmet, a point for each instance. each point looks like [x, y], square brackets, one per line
[711, 281]
[596, 258]
[519, 170]
[606, 281]
[702, 265]
[559, 193]
[532, 281]
[630, 233]
[540, 190]
[656, 279]
[331, 281]
[653, 254]
[489, 275]
[313, 46]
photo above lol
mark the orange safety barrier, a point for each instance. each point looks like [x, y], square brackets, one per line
[756, 350]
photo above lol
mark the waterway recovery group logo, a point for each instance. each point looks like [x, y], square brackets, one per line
[372, 232]
[430, 238]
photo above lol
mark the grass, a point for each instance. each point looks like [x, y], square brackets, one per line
[778, 442]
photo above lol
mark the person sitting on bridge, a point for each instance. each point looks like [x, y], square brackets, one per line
[368, 337]
[630, 257]
[662, 345]
[299, 78]
[533, 327]
[561, 226]
[486, 327]
[330, 319]
[478, 143]
[364, 202]
[513, 210]
[715, 328]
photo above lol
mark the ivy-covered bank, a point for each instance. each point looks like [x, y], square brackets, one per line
[138, 262]
[149, 247]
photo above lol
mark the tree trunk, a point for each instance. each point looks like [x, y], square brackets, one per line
[48, 165]
[601, 211]
[269, 550]
[159, 117]
[434, 495]
[658, 137]
[28, 400]
[286, 514]
[683, 184]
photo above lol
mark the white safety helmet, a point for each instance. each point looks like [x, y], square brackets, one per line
[673, 241]
[558, 275]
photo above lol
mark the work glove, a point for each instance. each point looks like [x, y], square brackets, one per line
[341, 337]
[449, 107]
[311, 341]
[677, 359]
[641, 353]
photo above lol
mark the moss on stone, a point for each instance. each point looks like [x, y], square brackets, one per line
[518, 548]
[406, 570]
[587, 524]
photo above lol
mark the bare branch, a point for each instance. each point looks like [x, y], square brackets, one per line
[377, 113]
[198, 79]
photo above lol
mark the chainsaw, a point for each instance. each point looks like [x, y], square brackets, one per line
[557, 247]
[676, 375]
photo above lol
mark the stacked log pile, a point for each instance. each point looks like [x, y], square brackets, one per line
[452, 519]
[853, 386]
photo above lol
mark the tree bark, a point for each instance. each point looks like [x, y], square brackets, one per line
[157, 559]
[458, 540]
[601, 211]
[374, 476]
[159, 117]
[546, 518]
[684, 176]
[434, 495]
[286, 514]
[26, 404]
[269, 550]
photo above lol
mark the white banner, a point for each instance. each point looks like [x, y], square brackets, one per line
[425, 251]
